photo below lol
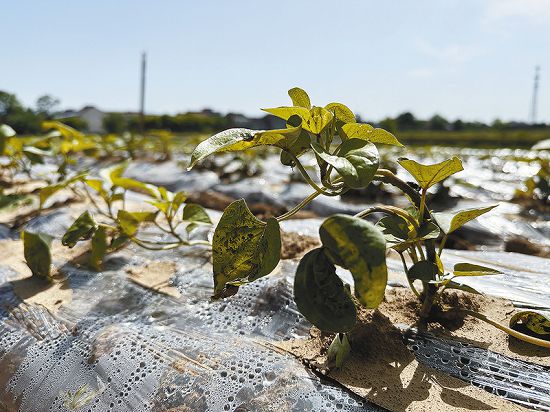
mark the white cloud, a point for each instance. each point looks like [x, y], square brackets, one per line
[451, 53]
[534, 10]
[421, 72]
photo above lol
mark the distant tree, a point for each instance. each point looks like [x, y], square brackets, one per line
[9, 104]
[406, 121]
[115, 123]
[12, 112]
[498, 124]
[438, 122]
[389, 124]
[458, 125]
[46, 104]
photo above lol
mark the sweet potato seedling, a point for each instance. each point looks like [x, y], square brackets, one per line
[246, 248]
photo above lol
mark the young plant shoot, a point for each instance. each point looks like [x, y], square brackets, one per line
[246, 248]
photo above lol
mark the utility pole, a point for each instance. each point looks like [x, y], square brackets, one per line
[142, 93]
[533, 118]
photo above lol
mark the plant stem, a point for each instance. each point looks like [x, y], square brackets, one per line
[392, 210]
[430, 290]
[297, 208]
[308, 179]
[387, 176]
[411, 285]
[442, 244]
[422, 205]
[521, 336]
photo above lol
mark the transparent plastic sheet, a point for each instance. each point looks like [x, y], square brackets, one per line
[524, 383]
[120, 347]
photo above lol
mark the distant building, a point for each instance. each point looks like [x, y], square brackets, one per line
[90, 114]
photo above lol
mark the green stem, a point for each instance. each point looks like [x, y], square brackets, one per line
[387, 176]
[297, 208]
[442, 244]
[308, 179]
[411, 285]
[422, 205]
[521, 336]
[392, 210]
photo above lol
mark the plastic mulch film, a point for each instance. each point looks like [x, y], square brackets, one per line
[521, 382]
[120, 347]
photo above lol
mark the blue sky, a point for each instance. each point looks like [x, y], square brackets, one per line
[472, 59]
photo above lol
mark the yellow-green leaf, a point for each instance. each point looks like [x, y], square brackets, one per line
[314, 120]
[37, 253]
[367, 132]
[451, 221]
[341, 112]
[360, 247]
[244, 248]
[469, 269]
[321, 296]
[299, 97]
[82, 228]
[423, 270]
[357, 161]
[536, 322]
[339, 350]
[48, 191]
[241, 139]
[6, 131]
[429, 175]
[99, 247]
[66, 131]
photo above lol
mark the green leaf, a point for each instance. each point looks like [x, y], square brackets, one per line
[66, 131]
[384, 137]
[13, 199]
[162, 205]
[341, 112]
[244, 248]
[360, 247]
[451, 221]
[460, 286]
[48, 191]
[195, 215]
[241, 139]
[469, 269]
[82, 228]
[301, 145]
[37, 253]
[536, 322]
[314, 120]
[299, 98]
[394, 228]
[429, 175]
[136, 186]
[339, 350]
[6, 131]
[400, 234]
[99, 247]
[367, 132]
[320, 294]
[95, 184]
[118, 242]
[357, 161]
[130, 221]
[35, 155]
[423, 270]
[177, 201]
